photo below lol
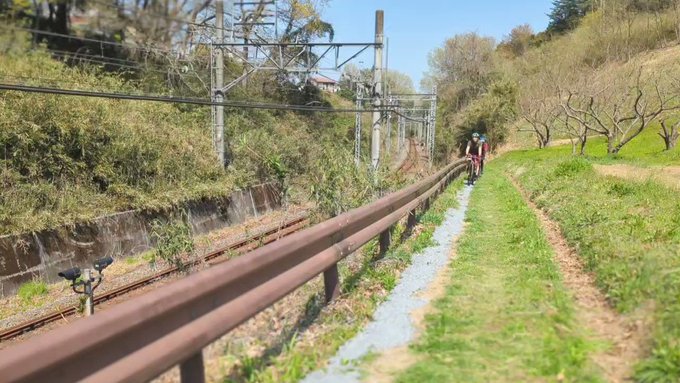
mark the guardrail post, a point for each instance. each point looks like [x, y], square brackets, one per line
[385, 241]
[411, 221]
[331, 283]
[192, 369]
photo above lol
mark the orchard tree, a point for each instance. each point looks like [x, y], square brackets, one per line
[622, 107]
[670, 131]
[541, 115]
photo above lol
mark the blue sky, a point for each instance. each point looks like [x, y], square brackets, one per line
[416, 27]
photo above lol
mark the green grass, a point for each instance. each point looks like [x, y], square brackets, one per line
[363, 290]
[31, 290]
[627, 232]
[647, 149]
[505, 316]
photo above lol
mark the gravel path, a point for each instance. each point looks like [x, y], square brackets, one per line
[392, 326]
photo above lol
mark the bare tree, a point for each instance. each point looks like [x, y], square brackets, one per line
[669, 133]
[620, 112]
[541, 114]
[576, 121]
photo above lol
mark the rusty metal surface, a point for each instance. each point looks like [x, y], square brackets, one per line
[141, 338]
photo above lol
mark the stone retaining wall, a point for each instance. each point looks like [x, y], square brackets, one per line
[42, 255]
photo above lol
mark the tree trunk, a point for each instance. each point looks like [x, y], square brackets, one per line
[584, 141]
[611, 145]
[669, 140]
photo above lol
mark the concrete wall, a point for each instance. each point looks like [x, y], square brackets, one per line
[43, 254]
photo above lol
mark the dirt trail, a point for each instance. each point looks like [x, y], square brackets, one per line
[627, 336]
[669, 175]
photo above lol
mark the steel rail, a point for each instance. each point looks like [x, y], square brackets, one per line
[143, 337]
[411, 159]
[240, 247]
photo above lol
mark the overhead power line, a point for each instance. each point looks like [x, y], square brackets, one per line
[192, 101]
[101, 42]
[177, 100]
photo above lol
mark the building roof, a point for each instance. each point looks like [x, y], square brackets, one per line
[323, 80]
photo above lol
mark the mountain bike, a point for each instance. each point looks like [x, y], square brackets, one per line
[472, 169]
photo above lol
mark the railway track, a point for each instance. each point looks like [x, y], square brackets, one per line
[411, 159]
[212, 258]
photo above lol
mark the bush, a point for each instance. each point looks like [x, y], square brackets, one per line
[66, 159]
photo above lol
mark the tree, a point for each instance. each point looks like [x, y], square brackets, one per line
[398, 82]
[620, 110]
[566, 14]
[302, 20]
[490, 114]
[541, 114]
[669, 132]
[519, 40]
[462, 68]
[577, 128]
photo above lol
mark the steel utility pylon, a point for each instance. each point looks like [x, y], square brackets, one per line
[261, 48]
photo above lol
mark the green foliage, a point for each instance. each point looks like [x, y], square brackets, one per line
[69, 159]
[30, 290]
[64, 159]
[566, 14]
[339, 185]
[490, 114]
[173, 240]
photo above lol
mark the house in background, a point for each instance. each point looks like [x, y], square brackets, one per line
[325, 84]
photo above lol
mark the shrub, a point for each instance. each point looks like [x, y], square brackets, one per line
[173, 240]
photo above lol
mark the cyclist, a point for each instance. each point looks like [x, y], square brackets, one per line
[474, 152]
[485, 151]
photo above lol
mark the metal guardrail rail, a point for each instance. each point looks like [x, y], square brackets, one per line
[141, 338]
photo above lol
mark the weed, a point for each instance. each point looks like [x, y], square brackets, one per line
[30, 290]
[572, 167]
[173, 240]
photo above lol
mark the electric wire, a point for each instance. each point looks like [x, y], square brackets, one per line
[186, 100]
[101, 42]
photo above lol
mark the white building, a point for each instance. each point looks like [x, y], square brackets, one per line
[325, 84]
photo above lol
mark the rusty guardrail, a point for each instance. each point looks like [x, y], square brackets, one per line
[145, 336]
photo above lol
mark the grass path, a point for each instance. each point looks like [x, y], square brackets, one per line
[625, 334]
[506, 315]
